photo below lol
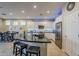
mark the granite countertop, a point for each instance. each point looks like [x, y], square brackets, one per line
[35, 41]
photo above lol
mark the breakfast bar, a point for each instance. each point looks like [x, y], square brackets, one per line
[40, 43]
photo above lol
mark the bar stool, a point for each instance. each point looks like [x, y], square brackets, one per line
[14, 46]
[3, 37]
[18, 47]
[35, 50]
[0, 36]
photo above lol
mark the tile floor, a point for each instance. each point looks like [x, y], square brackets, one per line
[6, 49]
[53, 50]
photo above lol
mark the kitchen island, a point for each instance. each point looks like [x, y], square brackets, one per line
[41, 43]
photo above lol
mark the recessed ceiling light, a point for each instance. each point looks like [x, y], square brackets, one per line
[35, 6]
[10, 13]
[23, 11]
[48, 11]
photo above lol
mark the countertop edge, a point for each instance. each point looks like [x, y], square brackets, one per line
[35, 41]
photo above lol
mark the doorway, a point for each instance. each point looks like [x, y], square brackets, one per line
[58, 34]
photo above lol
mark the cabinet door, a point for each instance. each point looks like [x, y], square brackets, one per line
[75, 27]
[72, 31]
[67, 34]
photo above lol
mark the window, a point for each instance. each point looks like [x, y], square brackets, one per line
[22, 22]
[15, 23]
[7, 22]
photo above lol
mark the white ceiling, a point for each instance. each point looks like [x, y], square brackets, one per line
[17, 7]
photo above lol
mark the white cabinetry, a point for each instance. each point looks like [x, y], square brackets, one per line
[71, 32]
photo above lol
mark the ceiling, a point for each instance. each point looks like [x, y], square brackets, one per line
[25, 10]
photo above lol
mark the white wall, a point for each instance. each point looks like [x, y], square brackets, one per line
[0, 25]
[3, 27]
[70, 28]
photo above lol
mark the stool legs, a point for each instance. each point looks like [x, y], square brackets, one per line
[15, 51]
[39, 53]
[20, 52]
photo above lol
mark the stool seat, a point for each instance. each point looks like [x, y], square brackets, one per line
[32, 50]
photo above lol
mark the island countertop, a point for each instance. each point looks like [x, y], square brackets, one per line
[42, 43]
[35, 41]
